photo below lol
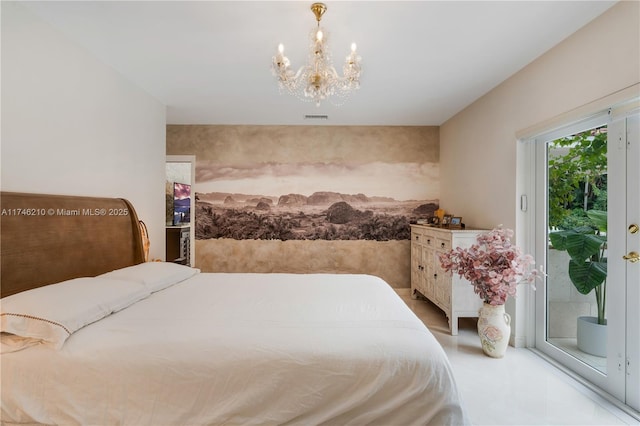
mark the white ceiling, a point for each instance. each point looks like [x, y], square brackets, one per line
[423, 61]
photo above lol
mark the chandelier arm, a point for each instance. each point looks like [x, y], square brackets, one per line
[318, 79]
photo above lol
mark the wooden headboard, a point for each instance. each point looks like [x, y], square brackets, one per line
[46, 239]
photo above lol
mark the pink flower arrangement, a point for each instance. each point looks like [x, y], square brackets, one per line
[494, 266]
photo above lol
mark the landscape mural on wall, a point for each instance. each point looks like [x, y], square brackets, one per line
[311, 201]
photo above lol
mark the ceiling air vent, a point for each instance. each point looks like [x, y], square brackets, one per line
[316, 117]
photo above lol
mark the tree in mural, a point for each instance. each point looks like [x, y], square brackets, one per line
[339, 222]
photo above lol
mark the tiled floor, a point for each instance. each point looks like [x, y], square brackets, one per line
[519, 389]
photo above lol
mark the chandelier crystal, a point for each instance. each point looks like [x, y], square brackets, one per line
[318, 79]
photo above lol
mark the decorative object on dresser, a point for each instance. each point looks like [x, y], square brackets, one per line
[495, 267]
[456, 223]
[452, 294]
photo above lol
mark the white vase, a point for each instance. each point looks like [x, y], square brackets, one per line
[494, 329]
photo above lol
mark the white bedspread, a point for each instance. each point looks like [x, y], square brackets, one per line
[242, 349]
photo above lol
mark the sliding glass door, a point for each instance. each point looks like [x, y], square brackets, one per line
[587, 207]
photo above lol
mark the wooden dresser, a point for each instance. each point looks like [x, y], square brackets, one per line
[452, 294]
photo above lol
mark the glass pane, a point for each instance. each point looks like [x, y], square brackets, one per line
[576, 255]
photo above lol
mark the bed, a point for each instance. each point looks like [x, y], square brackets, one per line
[93, 335]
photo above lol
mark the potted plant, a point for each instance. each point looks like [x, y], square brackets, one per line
[587, 247]
[494, 266]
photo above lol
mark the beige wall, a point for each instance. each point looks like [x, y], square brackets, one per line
[290, 144]
[71, 125]
[478, 146]
[238, 144]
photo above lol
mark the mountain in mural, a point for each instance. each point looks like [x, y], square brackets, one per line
[220, 197]
[321, 198]
[292, 200]
[322, 215]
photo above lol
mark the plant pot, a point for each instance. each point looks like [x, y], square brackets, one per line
[494, 329]
[592, 337]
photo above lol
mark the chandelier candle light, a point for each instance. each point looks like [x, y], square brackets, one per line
[318, 79]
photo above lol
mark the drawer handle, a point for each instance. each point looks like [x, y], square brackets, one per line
[442, 245]
[435, 275]
[428, 241]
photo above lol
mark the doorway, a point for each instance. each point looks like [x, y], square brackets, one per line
[587, 192]
[180, 214]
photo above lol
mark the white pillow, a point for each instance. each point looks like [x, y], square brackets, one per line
[50, 314]
[154, 275]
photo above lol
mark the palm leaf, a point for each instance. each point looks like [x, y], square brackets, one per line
[583, 246]
[581, 243]
[586, 276]
[599, 218]
[558, 239]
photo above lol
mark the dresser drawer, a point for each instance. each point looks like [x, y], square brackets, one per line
[422, 236]
[429, 240]
[443, 245]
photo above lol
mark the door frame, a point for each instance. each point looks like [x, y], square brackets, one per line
[192, 232]
[539, 211]
[528, 159]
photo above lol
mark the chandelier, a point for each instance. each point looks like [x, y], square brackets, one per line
[318, 79]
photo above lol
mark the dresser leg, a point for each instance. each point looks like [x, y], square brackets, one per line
[453, 325]
[414, 294]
